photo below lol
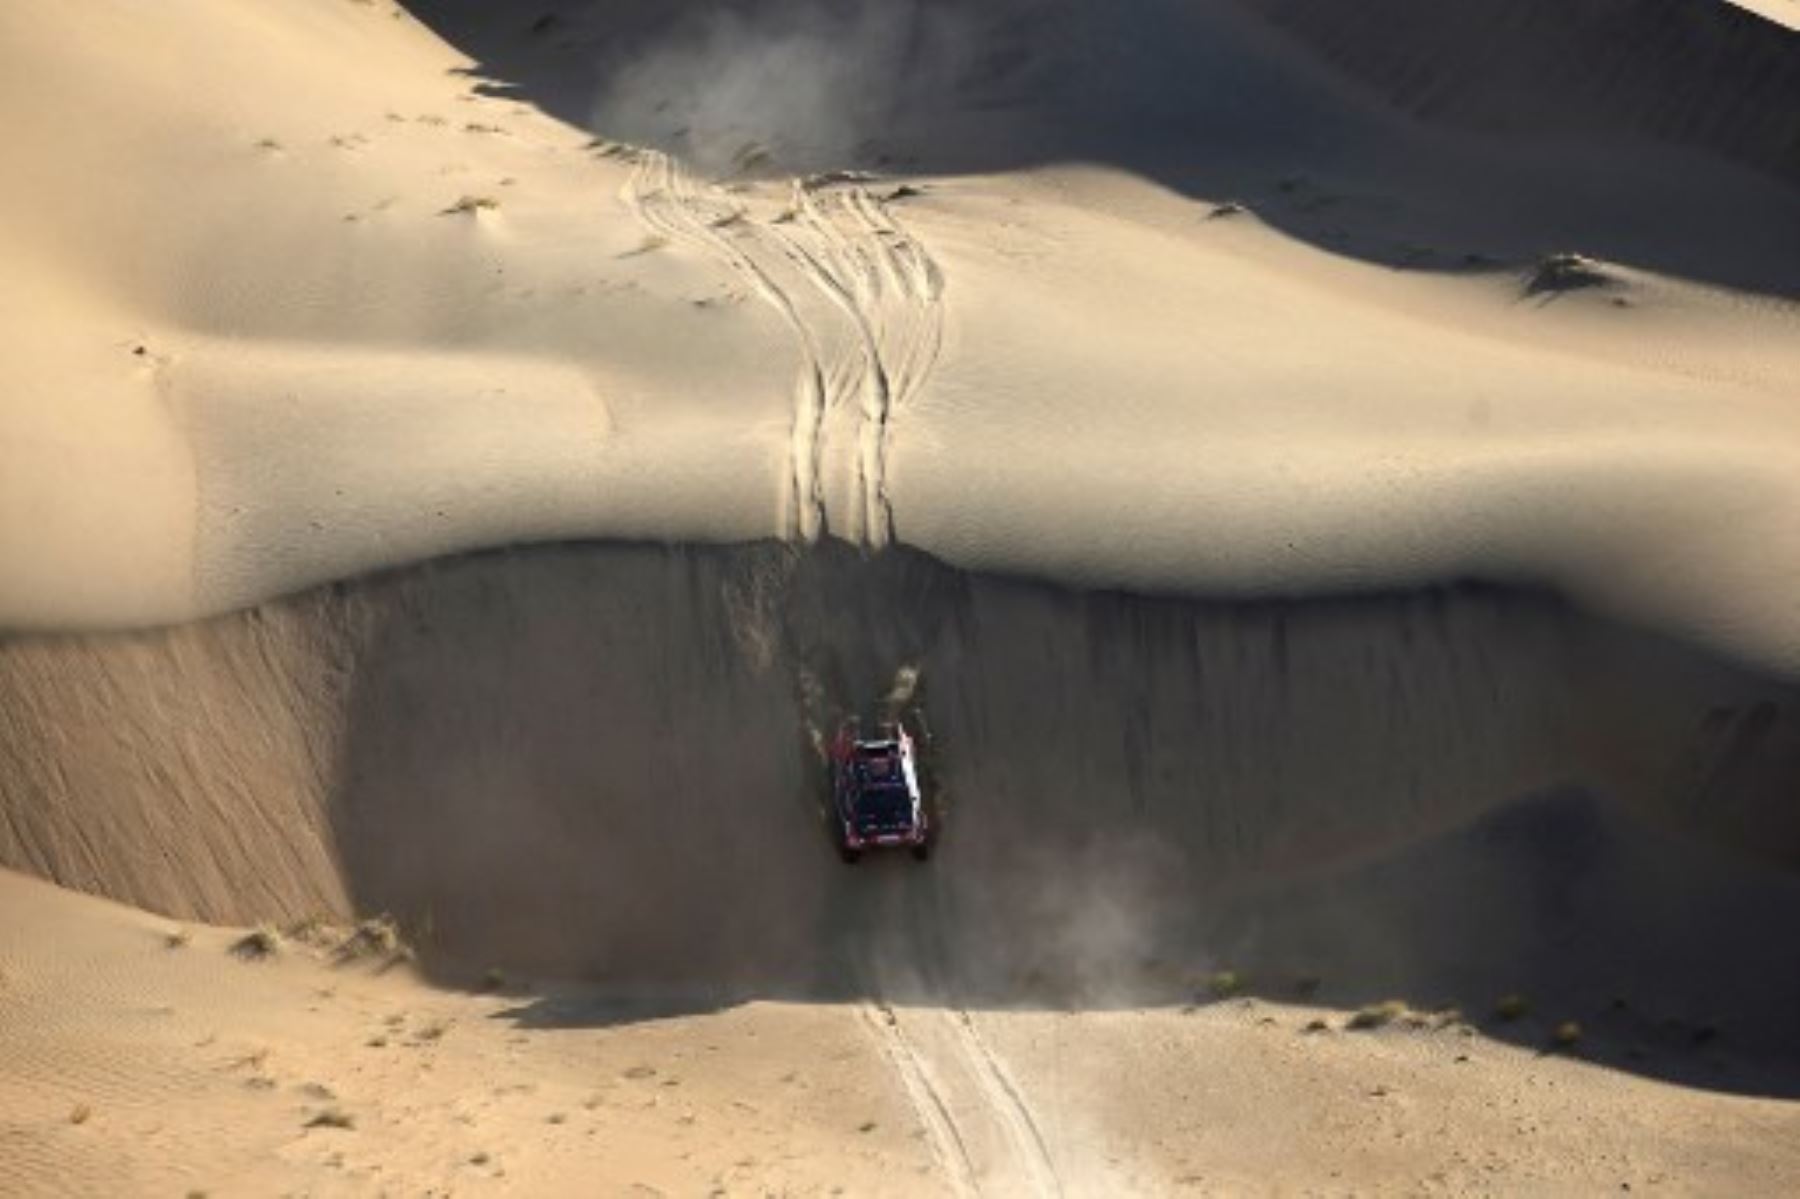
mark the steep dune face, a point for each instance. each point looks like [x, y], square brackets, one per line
[597, 761]
[181, 770]
[1114, 768]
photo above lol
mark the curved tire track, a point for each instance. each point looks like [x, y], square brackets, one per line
[866, 343]
[669, 205]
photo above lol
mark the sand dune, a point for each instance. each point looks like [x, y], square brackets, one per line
[153, 1069]
[595, 763]
[159, 1068]
[336, 349]
[1588, 69]
[1337, 476]
[1779, 11]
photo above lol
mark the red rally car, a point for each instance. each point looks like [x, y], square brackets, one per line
[877, 801]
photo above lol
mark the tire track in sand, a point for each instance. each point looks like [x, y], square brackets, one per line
[926, 1097]
[975, 1101]
[946, 1067]
[668, 204]
[840, 245]
[1007, 1102]
[890, 291]
[867, 340]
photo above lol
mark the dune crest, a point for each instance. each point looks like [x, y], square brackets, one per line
[429, 317]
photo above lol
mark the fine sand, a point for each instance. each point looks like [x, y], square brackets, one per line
[377, 309]
[146, 1057]
[1331, 479]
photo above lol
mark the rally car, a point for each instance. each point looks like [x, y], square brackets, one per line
[876, 798]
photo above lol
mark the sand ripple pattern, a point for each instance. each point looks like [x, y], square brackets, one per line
[862, 298]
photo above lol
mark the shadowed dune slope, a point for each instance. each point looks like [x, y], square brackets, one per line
[1511, 130]
[594, 760]
[1707, 74]
[1711, 76]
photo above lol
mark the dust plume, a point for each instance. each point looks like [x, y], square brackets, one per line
[806, 84]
